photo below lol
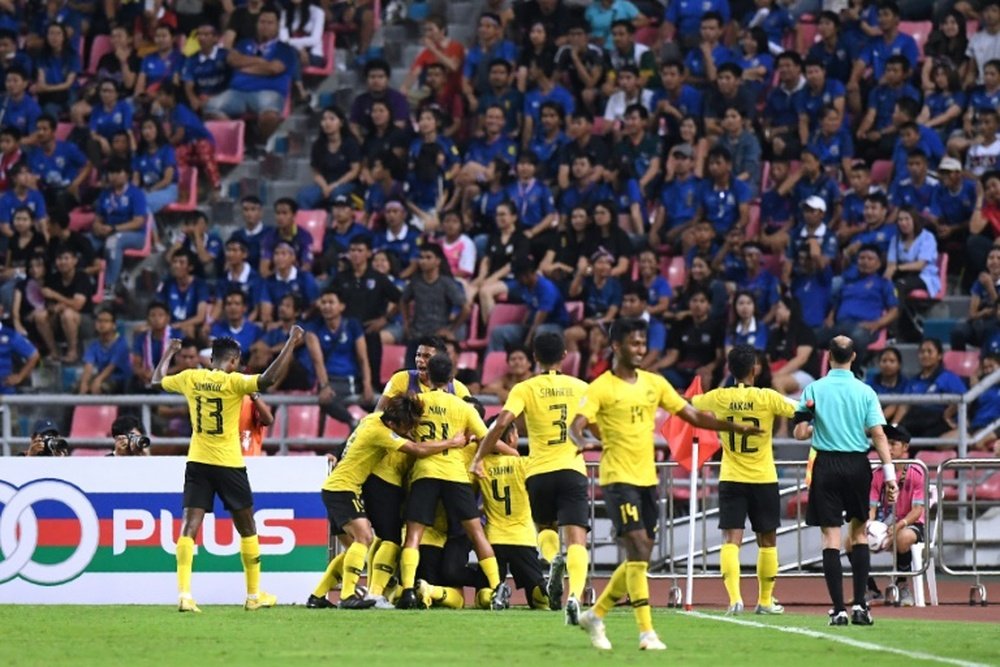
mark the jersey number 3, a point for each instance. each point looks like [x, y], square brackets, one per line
[214, 416]
[560, 422]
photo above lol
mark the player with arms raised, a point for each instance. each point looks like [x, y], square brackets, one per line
[215, 458]
[748, 482]
[556, 475]
[619, 408]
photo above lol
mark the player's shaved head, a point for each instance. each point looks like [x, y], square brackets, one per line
[224, 350]
[439, 369]
[403, 412]
[741, 361]
[549, 348]
[842, 350]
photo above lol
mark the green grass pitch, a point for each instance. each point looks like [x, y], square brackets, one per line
[140, 635]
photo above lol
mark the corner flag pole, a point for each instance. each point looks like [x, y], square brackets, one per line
[692, 508]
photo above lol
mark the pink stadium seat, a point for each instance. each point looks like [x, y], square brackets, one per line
[919, 31]
[335, 430]
[503, 313]
[92, 421]
[229, 138]
[100, 46]
[329, 50]
[753, 225]
[824, 363]
[771, 264]
[81, 220]
[647, 35]
[88, 451]
[474, 340]
[393, 359]
[571, 364]
[98, 297]
[187, 199]
[303, 421]
[148, 248]
[880, 342]
[922, 295]
[601, 126]
[677, 273]
[962, 364]
[881, 169]
[313, 222]
[468, 360]
[494, 366]
[63, 131]
[932, 458]
[491, 411]
[575, 310]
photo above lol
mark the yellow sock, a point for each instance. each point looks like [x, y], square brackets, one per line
[354, 565]
[334, 573]
[576, 566]
[185, 559]
[538, 599]
[453, 598]
[548, 544]
[729, 562]
[370, 561]
[250, 555]
[767, 572]
[383, 567]
[484, 598]
[638, 591]
[613, 592]
[491, 570]
[408, 562]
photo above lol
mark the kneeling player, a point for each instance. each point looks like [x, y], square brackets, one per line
[378, 433]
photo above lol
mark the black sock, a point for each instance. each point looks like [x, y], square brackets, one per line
[872, 586]
[834, 573]
[904, 561]
[861, 566]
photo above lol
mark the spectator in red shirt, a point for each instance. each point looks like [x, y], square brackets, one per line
[438, 48]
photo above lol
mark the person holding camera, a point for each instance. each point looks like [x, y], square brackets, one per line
[46, 441]
[129, 439]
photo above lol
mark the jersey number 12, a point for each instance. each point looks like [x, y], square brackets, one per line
[745, 448]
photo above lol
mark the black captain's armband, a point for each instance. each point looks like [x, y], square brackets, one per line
[803, 416]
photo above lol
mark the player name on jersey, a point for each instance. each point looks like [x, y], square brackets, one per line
[553, 392]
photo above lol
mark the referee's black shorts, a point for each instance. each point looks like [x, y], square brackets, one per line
[840, 487]
[204, 481]
[384, 504]
[738, 500]
[559, 497]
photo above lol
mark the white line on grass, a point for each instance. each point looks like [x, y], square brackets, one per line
[867, 646]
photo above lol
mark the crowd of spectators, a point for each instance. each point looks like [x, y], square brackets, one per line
[731, 171]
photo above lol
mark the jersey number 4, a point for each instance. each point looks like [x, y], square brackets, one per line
[505, 498]
[560, 422]
[745, 448]
[214, 416]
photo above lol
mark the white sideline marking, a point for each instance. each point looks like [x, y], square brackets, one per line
[867, 646]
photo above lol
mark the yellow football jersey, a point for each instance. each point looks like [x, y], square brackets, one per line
[747, 458]
[549, 403]
[505, 501]
[370, 441]
[625, 412]
[215, 399]
[446, 415]
[402, 382]
[393, 467]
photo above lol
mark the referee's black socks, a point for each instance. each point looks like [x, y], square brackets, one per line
[833, 571]
[861, 565]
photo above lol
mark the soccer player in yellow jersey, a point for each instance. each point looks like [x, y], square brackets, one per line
[416, 381]
[215, 457]
[748, 483]
[556, 476]
[509, 527]
[378, 434]
[445, 478]
[619, 408]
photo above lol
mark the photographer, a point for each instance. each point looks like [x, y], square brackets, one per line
[129, 437]
[46, 441]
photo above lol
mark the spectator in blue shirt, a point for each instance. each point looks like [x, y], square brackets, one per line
[876, 134]
[777, 209]
[261, 77]
[185, 295]
[755, 61]
[601, 294]
[832, 144]
[812, 288]
[399, 239]
[163, 65]
[774, 19]
[703, 60]
[634, 305]
[762, 285]
[204, 243]
[13, 344]
[58, 67]
[832, 50]
[482, 151]
[548, 142]
[239, 274]
[106, 363]
[235, 324]
[22, 194]
[781, 109]
[584, 191]
[747, 326]
[683, 18]
[813, 181]
[813, 234]
[889, 379]
[543, 73]
[679, 198]
[534, 202]
[501, 93]
[919, 190]
[675, 99]
[285, 229]
[944, 106]
[819, 93]
[19, 109]
[343, 230]
[110, 116]
[155, 167]
[546, 307]
[193, 144]
[205, 73]
[864, 306]
[875, 230]
[929, 420]
[120, 222]
[912, 262]
[61, 167]
[880, 50]
[723, 199]
[956, 199]
[912, 135]
[490, 46]
[288, 278]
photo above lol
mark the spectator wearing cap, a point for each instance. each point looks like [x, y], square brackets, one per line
[239, 274]
[22, 194]
[432, 303]
[723, 199]
[43, 429]
[490, 46]
[285, 230]
[581, 65]
[438, 48]
[546, 308]
[20, 110]
[543, 74]
[704, 59]
[678, 209]
[399, 239]
[865, 304]
[288, 277]
[261, 80]
[956, 200]
[683, 18]
[120, 220]
[341, 232]
[876, 133]
[743, 145]
[918, 190]
[377, 73]
[814, 235]
[601, 294]
[186, 296]
[628, 92]
[335, 161]
[727, 92]
[781, 113]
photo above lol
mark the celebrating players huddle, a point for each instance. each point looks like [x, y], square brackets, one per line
[402, 499]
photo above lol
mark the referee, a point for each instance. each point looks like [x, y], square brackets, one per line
[844, 412]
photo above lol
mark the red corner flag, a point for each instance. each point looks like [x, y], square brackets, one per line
[679, 435]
